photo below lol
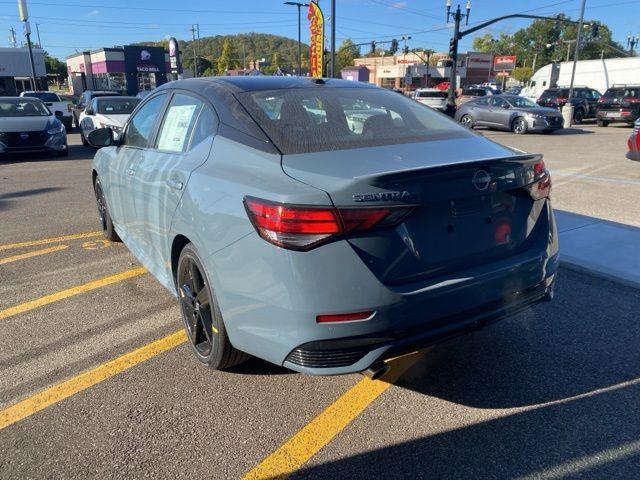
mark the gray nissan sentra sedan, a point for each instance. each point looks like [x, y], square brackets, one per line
[323, 225]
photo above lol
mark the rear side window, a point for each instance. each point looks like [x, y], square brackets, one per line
[178, 123]
[319, 119]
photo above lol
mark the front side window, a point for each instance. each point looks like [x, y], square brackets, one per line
[482, 101]
[141, 124]
[320, 119]
[22, 107]
[500, 103]
[178, 123]
[522, 102]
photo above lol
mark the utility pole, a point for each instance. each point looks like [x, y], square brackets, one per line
[453, 52]
[567, 110]
[332, 65]
[24, 16]
[12, 37]
[195, 57]
[198, 40]
[300, 5]
[38, 34]
[632, 41]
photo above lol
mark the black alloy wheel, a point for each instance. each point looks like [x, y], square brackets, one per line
[103, 214]
[201, 315]
[578, 116]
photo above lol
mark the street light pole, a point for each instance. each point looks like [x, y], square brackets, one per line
[299, 5]
[567, 110]
[453, 52]
[24, 16]
[333, 39]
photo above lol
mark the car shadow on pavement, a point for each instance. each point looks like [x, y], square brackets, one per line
[581, 438]
[76, 152]
[586, 339]
[256, 366]
[6, 199]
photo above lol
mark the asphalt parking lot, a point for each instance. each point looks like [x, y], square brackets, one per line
[96, 380]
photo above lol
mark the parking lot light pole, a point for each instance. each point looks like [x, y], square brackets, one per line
[299, 5]
[24, 16]
[567, 110]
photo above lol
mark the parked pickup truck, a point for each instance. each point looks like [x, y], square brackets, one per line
[54, 103]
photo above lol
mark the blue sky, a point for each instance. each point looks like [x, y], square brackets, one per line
[70, 25]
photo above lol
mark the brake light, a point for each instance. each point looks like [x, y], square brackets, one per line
[298, 227]
[561, 99]
[602, 100]
[631, 99]
[541, 186]
[344, 317]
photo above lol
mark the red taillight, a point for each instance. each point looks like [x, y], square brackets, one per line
[344, 317]
[303, 227]
[631, 99]
[541, 186]
[561, 99]
[602, 100]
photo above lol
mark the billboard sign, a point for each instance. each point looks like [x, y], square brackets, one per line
[504, 62]
[316, 43]
[174, 56]
[143, 60]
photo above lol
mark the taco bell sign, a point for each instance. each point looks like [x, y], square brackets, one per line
[174, 57]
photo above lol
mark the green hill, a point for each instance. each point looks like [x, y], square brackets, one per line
[245, 47]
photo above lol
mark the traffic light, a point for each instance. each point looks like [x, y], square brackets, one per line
[394, 46]
[453, 48]
[373, 47]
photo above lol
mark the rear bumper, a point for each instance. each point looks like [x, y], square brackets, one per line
[617, 117]
[270, 297]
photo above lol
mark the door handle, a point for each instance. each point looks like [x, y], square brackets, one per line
[175, 184]
[130, 171]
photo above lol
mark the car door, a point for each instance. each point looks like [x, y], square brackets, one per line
[134, 145]
[182, 143]
[498, 112]
[479, 110]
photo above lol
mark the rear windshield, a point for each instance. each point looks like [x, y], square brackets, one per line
[117, 106]
[476, 92]
[629, 92]
[556, 93]
[44, 96]
[319, 119]
[437, 94]
[22, 107]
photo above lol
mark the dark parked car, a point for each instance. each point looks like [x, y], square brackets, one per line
[621, 103]
[289, 234]
[85, 99]
[27, 125]
[509, 112]
[584, 101]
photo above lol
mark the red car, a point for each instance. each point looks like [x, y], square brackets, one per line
[634, 143]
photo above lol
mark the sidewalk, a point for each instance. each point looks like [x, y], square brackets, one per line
[600, 247]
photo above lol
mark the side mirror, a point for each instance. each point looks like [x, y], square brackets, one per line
[102, 137]
[58, 114]
[89, 111]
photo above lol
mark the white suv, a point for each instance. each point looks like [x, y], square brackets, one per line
[432, 97]
[54, 103]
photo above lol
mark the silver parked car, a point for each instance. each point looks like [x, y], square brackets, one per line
[432, 97]
[294, 233]
[509, 112]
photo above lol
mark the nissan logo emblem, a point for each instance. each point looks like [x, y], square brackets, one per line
[24, 135]
[481, 180]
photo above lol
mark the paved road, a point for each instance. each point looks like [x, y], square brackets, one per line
[550, 393]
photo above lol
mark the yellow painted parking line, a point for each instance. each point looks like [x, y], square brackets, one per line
[35, 253]
[60, 391]
[70, 292]
[45, 241]
[300, 448]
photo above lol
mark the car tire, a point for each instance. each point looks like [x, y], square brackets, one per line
[108, 229]
[603, 123]
[578, 116]
[519, 126]
[205, 329]
[467, 121]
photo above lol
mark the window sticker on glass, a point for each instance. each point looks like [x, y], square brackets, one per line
[177, 125]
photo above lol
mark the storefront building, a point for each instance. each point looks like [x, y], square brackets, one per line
[15, 70]
[129, 69]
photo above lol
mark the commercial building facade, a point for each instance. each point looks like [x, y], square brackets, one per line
[129, 69]
[15, 70]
